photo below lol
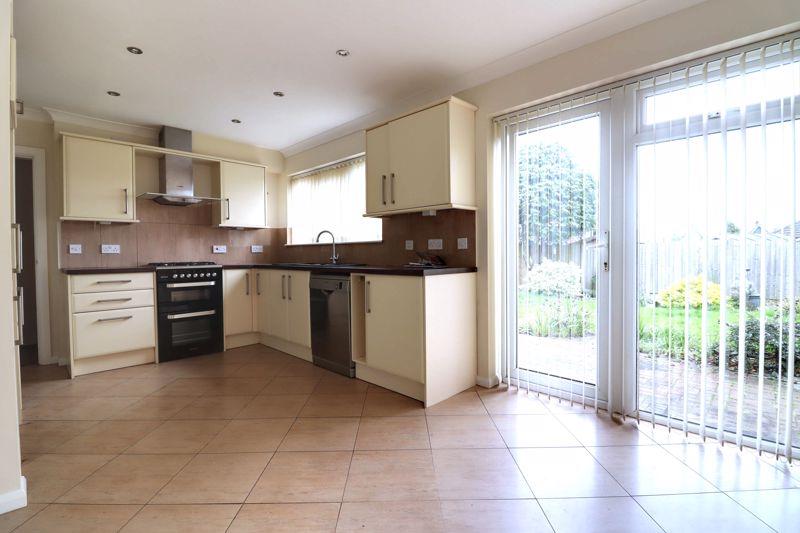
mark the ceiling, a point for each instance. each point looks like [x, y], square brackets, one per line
[206, 62]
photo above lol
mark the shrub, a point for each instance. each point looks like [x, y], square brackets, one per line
[673, 296]
[772, 341]
[555, 278]
[565, 318]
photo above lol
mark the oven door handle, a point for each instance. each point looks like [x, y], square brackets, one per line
[191, 315]
[192, 284]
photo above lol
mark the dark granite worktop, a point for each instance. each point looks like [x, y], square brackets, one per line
[316, 268]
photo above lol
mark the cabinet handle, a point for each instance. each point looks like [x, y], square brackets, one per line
[20, 316]
[383, 189]
[391, 185]
[290, 285]
[126, 317]
[283, 287]
[247, 283]
[228, 209]
[366, 298]
[18, 239]
[113, 281]
[126, 201]
[258, 283]
[112, 300]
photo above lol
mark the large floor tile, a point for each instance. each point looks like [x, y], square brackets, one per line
[286, 518]
[387, 403]
[137, 387]
[601, 430]
[256, 435]
[647, 470]
[391, 475]
[50, 476]
[14, 519]
[302, 369]
[393, 433]
[189, 518]
[274, 406]
[154, 408]
[331, 405]
[109, 436]
[80, 518]
[321, 434]
[336, 384]
[780, 509]
[565, 473]
[302, 477]
[463, 431]
[464, 403]
[688, 513]
[179, 436]
[127, 479]
[206, 407]
[478, 474]
[258, 370]
[598, 515]
[532, 431]
[291, 385]
[215, 478]
[45, 436]
[494, 515]
[391, 517]
[501, 401]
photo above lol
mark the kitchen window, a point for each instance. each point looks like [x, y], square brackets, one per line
[331, 198]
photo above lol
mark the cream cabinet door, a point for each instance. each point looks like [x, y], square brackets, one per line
[277, 305]
[298, 295]
[244, 195]
[237, 301]
[419, 152]
[98, 180]
[261, 300]
[394, 323]
[378, 170]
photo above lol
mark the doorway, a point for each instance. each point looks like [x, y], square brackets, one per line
[26, 274]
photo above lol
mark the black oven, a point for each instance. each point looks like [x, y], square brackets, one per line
[189, 310]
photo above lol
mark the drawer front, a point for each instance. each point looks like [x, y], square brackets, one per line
[106, 332]
[111, 282]
[104, 301]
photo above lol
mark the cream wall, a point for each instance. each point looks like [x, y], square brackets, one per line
[12, 491]
[43, 132]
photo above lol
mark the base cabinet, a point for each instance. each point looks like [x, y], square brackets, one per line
[283, 306]
[238, 307]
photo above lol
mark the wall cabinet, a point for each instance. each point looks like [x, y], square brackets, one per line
[98, 180]
[285, 306]
[423, 161]
[243, 189]
[238, 305]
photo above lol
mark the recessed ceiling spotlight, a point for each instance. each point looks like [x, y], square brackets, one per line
[112, 93]
[279, 94]
[236, 121]
[342, 52]
[135, 50]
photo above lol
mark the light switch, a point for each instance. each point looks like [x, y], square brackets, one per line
[256, 248]
[409, 245]
[110, 248]
[435, 244]
[219, 249]
[463, 244]
[75, 249]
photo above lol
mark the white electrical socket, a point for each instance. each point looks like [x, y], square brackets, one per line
[219, 249]
[110, 248]
[435, 244]
[409, 245]
[256, 248]
[463, 244]
[75, 249]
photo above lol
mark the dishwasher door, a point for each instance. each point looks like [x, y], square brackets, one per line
[330, 323]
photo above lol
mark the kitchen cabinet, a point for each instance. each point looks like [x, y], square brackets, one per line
[238, 305]
[243, 189]
[98, 180]
[112, 321]
[285, 303]
[423, 161]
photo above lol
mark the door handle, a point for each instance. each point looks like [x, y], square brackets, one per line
[20, 299]
[18, 241]
[126, 201]
[113, 300]
[112, 319]
[391, 187]
[191, 315]
[383, 189]
[283, 287]
[258, 283]
[228, 209]
[289, 283]
[605, 248]
[366, 298]
[247, 283]
[192, 284]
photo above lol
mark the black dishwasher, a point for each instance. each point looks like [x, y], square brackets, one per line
[330, 323]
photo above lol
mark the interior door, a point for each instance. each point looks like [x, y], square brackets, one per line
[26, 276]
[419, 156]
[244, 195]
[557, 269]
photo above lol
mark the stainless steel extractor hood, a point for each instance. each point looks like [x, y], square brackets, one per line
[175, 179]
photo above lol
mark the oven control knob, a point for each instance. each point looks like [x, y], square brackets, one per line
[183, 275]
[174, 276]
[214, 274]
[195, 274]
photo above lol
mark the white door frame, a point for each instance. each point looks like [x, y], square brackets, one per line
[37, 155]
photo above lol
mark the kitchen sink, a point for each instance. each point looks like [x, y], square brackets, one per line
[319, 265]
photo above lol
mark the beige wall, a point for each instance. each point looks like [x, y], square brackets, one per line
[9, 408]
[42, 133]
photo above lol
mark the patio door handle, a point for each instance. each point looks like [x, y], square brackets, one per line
[603, 247]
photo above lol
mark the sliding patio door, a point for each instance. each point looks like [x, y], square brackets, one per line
[557, 222]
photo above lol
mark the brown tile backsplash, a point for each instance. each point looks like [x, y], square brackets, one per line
[168, 233]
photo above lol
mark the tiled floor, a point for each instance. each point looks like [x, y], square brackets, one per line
[256, 440]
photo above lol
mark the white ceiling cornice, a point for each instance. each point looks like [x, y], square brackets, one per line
[58, 115]
[36, 114]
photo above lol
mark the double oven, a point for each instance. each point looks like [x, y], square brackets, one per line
[189, 299]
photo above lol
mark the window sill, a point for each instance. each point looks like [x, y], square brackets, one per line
[328, 243]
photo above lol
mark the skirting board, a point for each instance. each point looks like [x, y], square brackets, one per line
[242, 339]
[100, 363]
[285, 346]
[487, 382]
[404, 386]
[15, 499]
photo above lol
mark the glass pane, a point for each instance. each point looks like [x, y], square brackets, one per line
[557, 190]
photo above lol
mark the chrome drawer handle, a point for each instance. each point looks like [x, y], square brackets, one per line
[114, 281]
[191, 315]
[126, 317]
[111, 300]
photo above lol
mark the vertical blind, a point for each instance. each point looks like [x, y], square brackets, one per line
[333, 199]
[708, 166]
